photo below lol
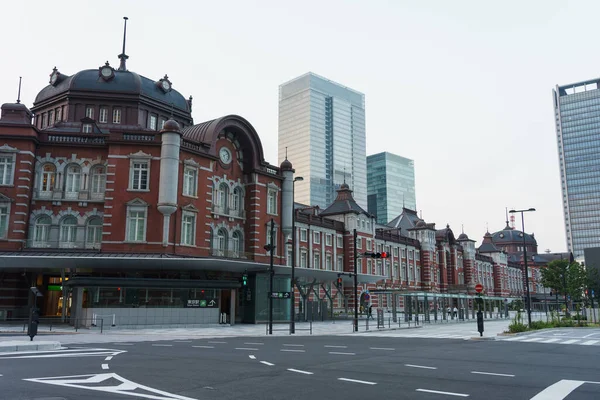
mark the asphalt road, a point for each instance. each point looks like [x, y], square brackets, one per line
[306, 368]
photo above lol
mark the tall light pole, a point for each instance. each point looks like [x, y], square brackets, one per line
[292, 297]
[525, 261]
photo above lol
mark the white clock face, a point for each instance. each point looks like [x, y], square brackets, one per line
[225, 155]
[53, 78]
[165, 85]
[106, 72]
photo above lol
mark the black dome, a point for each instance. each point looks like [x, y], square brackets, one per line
[125, 82]
[512, 236]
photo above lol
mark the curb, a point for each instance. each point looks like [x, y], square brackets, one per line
[11, 347]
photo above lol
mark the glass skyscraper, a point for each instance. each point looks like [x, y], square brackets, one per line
[390, 185]
[577, 117]
[322, 125]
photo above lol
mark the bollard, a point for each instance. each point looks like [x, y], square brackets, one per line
[480, 323]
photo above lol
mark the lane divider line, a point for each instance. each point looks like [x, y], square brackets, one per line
[336, 347]
[342, 354]
[246, 348]
[108, 358]
[446, 393]
[357, 381]
[252, 357]
[419, 366]
[293, 345]
[299, 371]
[104, 366]
[255, 344]
[382, 348]
[123, 344]
[162, 345]
[492, 373]
[204, 347]
[182, 341]
[294, 351]
[267, 363]
[217, 342]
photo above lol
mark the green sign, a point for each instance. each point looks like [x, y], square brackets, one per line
[54, 288]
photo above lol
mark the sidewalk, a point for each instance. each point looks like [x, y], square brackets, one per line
[463, 330]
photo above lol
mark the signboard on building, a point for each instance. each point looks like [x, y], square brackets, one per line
[281, 295]
[207, 303]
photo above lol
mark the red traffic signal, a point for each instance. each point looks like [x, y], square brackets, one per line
[339, 281]
[383, 254]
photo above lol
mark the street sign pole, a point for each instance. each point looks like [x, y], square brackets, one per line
[355, 284]
[271, 273]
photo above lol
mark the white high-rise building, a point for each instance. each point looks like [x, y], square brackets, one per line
[322, 125]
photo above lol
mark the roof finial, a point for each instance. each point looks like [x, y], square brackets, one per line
[507, 225]
[402, 200]
[123, 57]
[286, 152]
[344, 172]
[487, 228]
[19, 95]
[462, 228]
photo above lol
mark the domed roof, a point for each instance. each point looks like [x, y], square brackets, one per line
[463, 236]
[509, 235]
[421, 224]
[286, 165]
[125, 82]
[171, 126]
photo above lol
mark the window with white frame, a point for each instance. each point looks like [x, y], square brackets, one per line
[328, 238]
[316, 237]
[303, 258]
[68, 232]
[369, 266]
[359, 243]
[51, 118]
[4, 216]
[136, 223]
[89, 112]
[222, 193]
[47, 178]
[237, 244]
[395, 252]
[44, 120]
[93, 234]
[272, 202]
[369, 244]
[161, 124]
[116, 116]
[268, 241]
[303, 235]
[340, 263]
[73, 181]
[340, 241]
[138, 174]
[98, 181]
[403, 253]
[6, 169]
[87, 128]
[152, 123]
[103, 117]
[288, 260]
[317, 261]
[58, 114]
[222, 242]
[188, 229]
[41, 231]
[190, 180]
[236, 201]
[328, 265]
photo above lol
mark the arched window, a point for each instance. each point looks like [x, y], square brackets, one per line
[222, 193]
[236, 202]
[41, 233]
[93, 234]
[68, 232]
[222, 242]
[237, 244]
[98, 182]
[73, 181]
[47, 179]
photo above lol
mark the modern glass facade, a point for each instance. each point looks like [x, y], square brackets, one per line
[390, 185]
[577, 117]
[322, 125]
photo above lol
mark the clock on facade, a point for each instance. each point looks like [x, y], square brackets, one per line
[106, 72]
[225, 155]
[54, 76]
[164, 84]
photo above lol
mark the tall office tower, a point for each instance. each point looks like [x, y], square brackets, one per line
[390, 185]
[577, 117]
[322, 126]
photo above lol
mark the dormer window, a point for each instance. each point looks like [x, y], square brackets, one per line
[87, 128]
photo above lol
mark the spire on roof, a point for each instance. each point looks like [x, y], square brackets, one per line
[19, 95]
[507, 225]
[123, 57]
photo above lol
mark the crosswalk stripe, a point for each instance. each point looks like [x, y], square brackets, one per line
[512, 339]
[550, 341]
[535, 339]
[570, 341]
[589, 342]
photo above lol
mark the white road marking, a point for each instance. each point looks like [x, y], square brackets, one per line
[589, 342]
[217, 342]
[382, 348]
[63, 355]
[419, 366]
[535, 339]
[204, 347]
[267, 363]
[252, 357]
[246, 348]
[446, 393]
[299, 371]
[255, 344]
[294, 345]
[336, 347]
[558, 391]
[491, 373]
[591, 334]
[108, 358]
[570, 341]
[182, 341]
[104, 366]
[342, 354]
[550, 341]
[162, 345]
[122, 387]
[357, 381]
[295, 351]
[125, 344]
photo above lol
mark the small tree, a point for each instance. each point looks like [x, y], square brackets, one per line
[567, 278]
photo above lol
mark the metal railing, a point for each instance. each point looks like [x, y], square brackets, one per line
[57, 244]
[229, 211]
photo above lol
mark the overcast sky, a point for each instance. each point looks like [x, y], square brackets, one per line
[462, 87]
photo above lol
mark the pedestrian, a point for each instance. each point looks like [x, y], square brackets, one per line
[371, 311]
[455, 312]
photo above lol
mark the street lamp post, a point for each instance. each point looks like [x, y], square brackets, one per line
[292, 297]
[525, 261]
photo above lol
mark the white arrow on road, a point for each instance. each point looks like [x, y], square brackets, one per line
[124, 387]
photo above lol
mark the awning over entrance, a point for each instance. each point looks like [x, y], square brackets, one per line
[325, 276]
[84, 281]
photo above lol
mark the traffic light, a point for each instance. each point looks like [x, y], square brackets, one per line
[383, 254]
[339, 280]
[245, 279]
